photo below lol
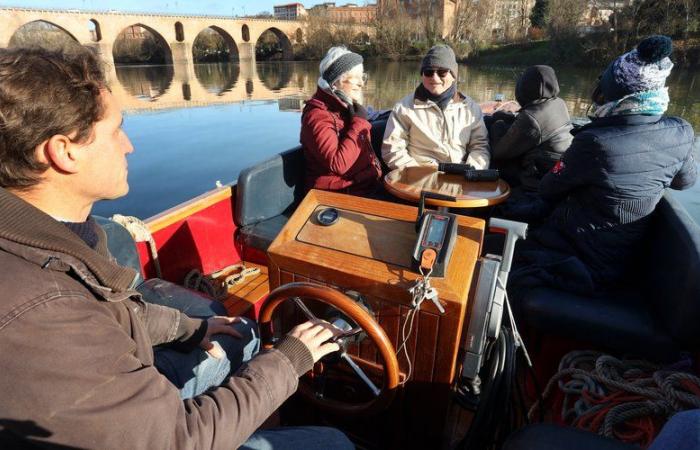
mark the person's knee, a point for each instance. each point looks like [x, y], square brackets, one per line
[239, 350]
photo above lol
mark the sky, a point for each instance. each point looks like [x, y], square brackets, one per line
[208, 7]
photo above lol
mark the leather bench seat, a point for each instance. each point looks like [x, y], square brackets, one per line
[616, 320]
[654, 314]
[266, 196]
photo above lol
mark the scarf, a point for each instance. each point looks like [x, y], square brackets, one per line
[651, 103]
[441, 100]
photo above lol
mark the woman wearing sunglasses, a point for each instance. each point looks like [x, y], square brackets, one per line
[436, 123]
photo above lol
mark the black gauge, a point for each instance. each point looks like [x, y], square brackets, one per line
[328, 216]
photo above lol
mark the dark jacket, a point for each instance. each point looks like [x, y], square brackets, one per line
[541, 130]
[338, 151]
[77, 359]
[609, 182]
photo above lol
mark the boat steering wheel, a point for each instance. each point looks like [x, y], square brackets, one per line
[382, 396]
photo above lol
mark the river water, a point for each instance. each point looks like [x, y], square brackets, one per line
[195, 125]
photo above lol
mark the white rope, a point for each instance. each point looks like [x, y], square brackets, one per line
[140, 232]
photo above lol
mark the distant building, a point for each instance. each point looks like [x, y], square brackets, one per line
[353, 13]
[291, 11]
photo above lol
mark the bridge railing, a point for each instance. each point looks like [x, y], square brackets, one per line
[144, 13]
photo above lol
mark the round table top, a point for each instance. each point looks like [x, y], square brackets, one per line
[408, 182]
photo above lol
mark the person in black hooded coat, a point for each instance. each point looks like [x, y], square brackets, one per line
[540, 133]
[611, 178]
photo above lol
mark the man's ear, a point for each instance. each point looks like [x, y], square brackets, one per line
[60, 152]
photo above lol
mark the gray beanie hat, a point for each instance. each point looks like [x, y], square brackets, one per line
[344, 63]
[440, 56]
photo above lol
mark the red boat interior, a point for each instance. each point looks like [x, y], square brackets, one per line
[266, 223]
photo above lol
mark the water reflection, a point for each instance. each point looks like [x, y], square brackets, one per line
[217, 78]
[145, 82]
[388, 83]
[276, 76]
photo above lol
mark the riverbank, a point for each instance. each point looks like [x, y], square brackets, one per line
[686, 54]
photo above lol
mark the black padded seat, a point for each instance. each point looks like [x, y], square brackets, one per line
[618, 321]
[554, 437]
[268, 193]
[266, 196]
[657, 311]
[121, 245]
[260, 235]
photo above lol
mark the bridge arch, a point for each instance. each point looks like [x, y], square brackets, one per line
[214, 39]
[139, 43]
[273, 44]
[42, 33]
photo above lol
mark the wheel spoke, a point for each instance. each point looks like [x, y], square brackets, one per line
[307, 312]
[361, 373]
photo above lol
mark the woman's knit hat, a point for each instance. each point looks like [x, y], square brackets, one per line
[643, 69]
[338, 60]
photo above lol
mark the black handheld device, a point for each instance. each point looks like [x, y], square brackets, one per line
[482, 175]
[457, 168]
[436, 237]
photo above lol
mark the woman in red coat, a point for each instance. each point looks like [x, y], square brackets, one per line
[335, 133]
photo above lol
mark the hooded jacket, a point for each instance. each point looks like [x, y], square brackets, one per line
[338, 152]
[608, 183]
[541, 131]
[419, 133]
[77, 360]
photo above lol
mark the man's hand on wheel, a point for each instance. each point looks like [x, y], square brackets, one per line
[316, 335]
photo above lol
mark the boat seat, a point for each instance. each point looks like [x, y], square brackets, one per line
[266, 196]
[121, 245]
[268, 193]
[154, 290]
[681, 432]
[654, 314]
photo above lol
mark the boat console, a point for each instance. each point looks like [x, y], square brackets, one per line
[369, 249]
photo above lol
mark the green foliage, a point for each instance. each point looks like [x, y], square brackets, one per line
[141, 49]
[43, 34]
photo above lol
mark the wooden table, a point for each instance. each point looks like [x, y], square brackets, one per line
[408, 182]
[369, 250]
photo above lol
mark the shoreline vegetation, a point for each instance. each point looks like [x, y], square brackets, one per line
[556, 32]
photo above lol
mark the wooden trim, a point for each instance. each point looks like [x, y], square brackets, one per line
[186, 209]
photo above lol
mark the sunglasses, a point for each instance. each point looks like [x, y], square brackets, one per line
[442, 73]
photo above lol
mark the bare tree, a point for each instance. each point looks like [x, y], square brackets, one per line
[473, 23]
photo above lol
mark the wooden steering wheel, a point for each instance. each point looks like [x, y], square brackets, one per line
[365, 322]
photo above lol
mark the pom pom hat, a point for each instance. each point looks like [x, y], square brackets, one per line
[642, 69]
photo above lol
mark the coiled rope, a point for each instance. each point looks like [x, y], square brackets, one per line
[624, 399]
[215, 287]
[140, 232]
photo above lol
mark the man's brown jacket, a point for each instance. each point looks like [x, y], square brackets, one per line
[76, 358]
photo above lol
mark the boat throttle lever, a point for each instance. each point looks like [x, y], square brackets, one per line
[490, 300]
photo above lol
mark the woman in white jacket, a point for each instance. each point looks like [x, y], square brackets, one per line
[436, 123]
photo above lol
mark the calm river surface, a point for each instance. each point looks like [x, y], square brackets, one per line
[193, 126]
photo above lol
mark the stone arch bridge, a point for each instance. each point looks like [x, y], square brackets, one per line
[99, 30]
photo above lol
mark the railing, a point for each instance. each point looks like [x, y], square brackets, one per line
[142, 13]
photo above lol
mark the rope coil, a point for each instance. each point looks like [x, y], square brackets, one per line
[140, 232]
[620, 398]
